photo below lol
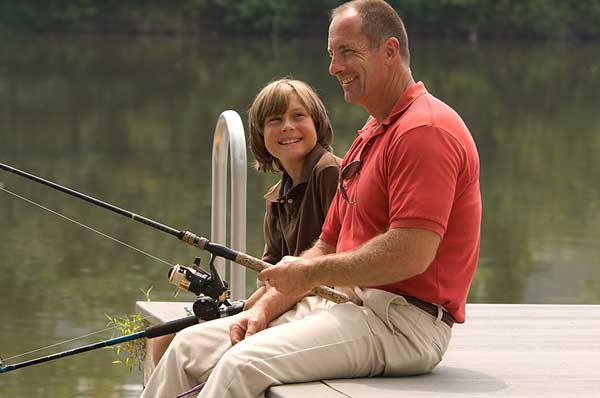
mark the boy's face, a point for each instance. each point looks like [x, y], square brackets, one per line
[291, 136]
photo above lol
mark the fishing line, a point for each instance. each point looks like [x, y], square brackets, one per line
[85, 226]
[3, 360]
[215, 249]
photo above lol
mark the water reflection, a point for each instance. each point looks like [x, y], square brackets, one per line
[130, 120]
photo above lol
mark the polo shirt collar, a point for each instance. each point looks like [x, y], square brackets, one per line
[409, 95]
[276, 192]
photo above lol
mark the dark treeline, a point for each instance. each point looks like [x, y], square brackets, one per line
[570, 19]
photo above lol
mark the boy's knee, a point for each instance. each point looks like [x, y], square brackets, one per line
[187, 338]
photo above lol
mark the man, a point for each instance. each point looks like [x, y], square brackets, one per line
[402, 234]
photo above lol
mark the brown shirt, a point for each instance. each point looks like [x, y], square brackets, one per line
[293, 221]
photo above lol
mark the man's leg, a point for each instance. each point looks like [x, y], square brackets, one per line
[328, 343]
[338, 341]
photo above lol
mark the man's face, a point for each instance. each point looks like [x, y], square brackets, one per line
[358, 68]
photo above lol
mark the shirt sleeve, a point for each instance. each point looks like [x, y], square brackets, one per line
[422, 172]
[327, 180]
[332, 226]
[272, 251]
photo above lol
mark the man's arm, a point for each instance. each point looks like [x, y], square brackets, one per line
[394, 256]
[267, 303]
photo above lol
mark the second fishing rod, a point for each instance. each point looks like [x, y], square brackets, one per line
[178, 274]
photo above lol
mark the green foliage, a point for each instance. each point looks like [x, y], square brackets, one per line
[274, 17]
[134, 351]
[262, 15]
[548, 18]
[544, 18]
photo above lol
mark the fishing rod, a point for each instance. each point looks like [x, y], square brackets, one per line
[205, 308]
[151, 332]
[212, 303]
[179, 275]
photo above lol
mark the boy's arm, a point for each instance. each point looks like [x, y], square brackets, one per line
[268, 307]
[320, 248]
[258, 293]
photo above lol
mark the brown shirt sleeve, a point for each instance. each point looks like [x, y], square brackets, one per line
[272, 251]
[327, 180]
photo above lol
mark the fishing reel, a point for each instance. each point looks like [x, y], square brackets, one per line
[194, 279]
[212, 291]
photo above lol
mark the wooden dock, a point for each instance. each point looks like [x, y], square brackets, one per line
[503, 350]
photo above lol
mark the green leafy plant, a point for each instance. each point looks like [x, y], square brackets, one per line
[131, 353]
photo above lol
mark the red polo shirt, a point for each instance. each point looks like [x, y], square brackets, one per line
[420, 170]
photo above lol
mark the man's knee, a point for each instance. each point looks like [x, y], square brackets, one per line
[245, 359]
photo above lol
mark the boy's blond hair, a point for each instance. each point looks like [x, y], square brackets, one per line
[274, 99]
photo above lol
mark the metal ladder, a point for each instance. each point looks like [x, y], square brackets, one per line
[229, 139]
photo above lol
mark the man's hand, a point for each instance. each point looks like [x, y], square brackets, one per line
[249, 323]
[290, 276]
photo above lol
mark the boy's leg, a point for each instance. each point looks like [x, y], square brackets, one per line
[195, 350]
[189, 358]
[159, 346]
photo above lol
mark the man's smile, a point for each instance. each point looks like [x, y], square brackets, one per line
[348, 80]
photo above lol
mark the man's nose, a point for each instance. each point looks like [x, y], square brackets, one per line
[334, 66]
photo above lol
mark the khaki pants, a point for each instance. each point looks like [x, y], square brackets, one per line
[315, 340]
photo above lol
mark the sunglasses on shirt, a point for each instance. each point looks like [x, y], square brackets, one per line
[352, 170]
[349, 171]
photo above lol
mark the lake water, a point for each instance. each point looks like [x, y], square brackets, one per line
[130, 121]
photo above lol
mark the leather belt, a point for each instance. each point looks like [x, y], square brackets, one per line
[431, 309]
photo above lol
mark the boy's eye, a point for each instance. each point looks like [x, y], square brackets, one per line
[273, 119]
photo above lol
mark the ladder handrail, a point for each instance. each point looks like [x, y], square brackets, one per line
[229, 135]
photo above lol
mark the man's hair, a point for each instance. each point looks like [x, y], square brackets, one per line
[274, 99]
[379, 22]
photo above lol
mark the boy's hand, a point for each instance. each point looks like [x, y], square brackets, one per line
[250, 322]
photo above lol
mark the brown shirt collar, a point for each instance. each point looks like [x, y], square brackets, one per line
[276, 192]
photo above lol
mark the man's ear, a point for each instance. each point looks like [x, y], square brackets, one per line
[392, 48]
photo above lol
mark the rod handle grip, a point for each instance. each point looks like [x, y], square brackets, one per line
[321, 291]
